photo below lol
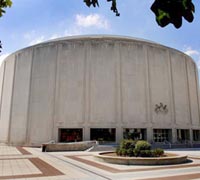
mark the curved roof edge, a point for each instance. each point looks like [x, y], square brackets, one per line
[101, 36]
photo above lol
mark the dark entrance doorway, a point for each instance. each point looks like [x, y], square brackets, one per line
[70, 135]
[135, 133]
[103, 134]
[183, 135]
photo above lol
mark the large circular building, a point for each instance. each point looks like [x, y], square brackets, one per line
[98, 87]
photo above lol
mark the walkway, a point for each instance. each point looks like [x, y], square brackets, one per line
[31, 164]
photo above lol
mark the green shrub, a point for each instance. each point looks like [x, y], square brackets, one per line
[158, 152]
[136, 152]
[127, 144]
[142, 145]
[126, 148]
[138, 149]
[118, 151]
[146, 153]
[130, 152]
[123, 152]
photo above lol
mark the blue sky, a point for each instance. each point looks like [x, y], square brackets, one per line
[30, 22]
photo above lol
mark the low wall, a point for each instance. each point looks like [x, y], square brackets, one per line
[75, 146]
[141, 161]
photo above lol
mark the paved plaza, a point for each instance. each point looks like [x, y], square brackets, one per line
[25, 163]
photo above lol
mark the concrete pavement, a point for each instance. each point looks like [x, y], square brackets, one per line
[31, 164]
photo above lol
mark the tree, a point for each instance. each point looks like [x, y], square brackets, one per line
[4, 4]
[0, 46]
[172, 11]
[95, 3]
[166, 11]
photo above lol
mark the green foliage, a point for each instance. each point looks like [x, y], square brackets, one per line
[137, 149]
[146, 153]
[172, 11]
[123, 152]
[0, 46]
[126, 148]
[142, 145]
[4, 4]
[91, 2]
[95, 3]
[130, 152]
[136, 152]
[166, 11]
[158, 152]
[127, 143]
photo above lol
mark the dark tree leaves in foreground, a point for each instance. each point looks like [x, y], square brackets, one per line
[4, 4]
[0, 46]
[166, 11]
[95, 3]
[172, 11]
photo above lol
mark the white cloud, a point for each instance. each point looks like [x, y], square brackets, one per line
[29, 35]
[55, 36]
[189, 51]
[2, 57]
[32, 37]
[81, 24]
[37, 40]
[73, 31]
[92, 20]
[195, 54]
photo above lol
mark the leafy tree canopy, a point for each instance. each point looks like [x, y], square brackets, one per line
[95, 3]
[4, 4]
[0, 46]
[172, 11]
[166, 11]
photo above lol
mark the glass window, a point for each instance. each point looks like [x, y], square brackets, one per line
[162, 135]
[135, 134]
[71, 135]
[196, 135]
[103, 134]
[183, 135]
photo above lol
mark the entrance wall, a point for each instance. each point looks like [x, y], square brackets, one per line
[96, 82]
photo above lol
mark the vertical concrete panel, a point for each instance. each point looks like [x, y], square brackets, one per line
[2, 71]
[180, 86]
[42, 94]
[7, 98]
[133, 80]
[70, 85]
[198, 88]
[118, 92]
[87, 82]
[159, 85]
[18, 123]
[193, 94]
[102, 84]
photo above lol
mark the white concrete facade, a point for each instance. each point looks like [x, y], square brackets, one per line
[96, 82]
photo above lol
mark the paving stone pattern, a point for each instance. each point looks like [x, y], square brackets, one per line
[26, 163]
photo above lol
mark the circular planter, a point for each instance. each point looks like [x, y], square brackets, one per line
[175, 159]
